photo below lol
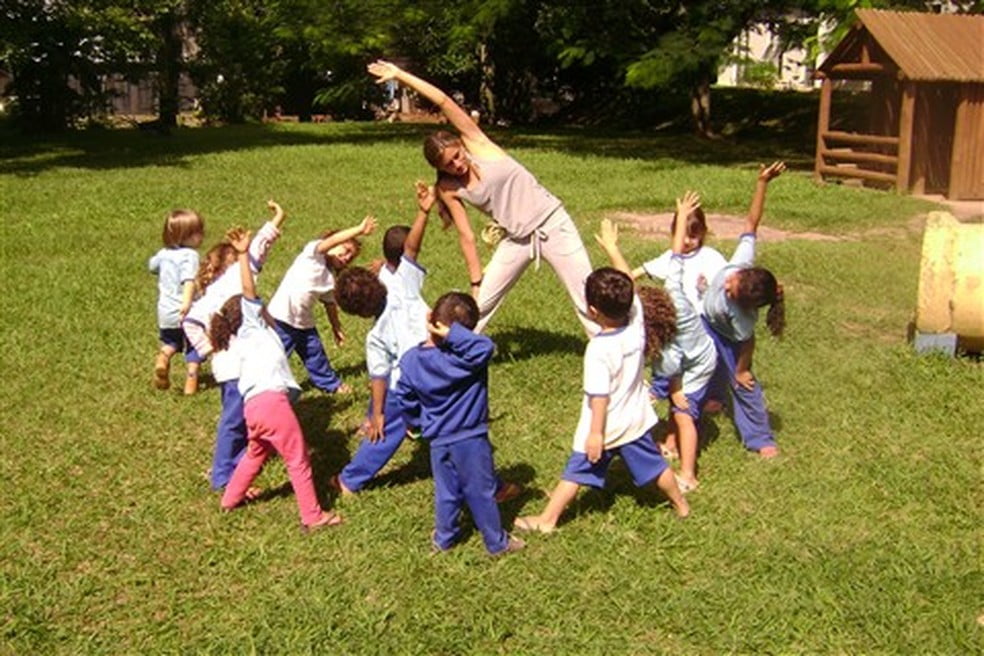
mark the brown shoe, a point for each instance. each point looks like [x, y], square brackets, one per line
[162, 372]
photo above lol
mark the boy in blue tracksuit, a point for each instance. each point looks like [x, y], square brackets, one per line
[443, 389]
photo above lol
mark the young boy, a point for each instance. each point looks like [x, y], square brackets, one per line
[443, 389]
[394, 300]
[616, 415]
[311, 278]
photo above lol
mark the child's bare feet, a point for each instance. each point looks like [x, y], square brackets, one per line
[253, 493]
[768, 452]
[328, 520]
[532, 523]
[507, 492]
[681, 507]
[191, 384]
[343, 389]
[335, 483]
[162, 371]
[687, 484]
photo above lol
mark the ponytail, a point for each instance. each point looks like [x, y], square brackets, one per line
[775, 319]
[659, 319]
[226, 322]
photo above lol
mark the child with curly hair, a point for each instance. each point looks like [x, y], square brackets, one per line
[175, 266]
[616, 416]
[266, 385]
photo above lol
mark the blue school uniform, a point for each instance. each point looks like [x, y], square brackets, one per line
[444, 390]
[729, 326]
[401, 326]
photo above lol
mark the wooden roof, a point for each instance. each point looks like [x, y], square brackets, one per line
[926, 47]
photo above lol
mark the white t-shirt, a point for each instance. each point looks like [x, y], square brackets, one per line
[174, 267]
[614, 365]
[307, 281]
[401, 326]
[705, 261]
[263, 365]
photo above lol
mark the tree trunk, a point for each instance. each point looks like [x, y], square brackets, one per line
[700, 106]
[486, 95]
[168, 71]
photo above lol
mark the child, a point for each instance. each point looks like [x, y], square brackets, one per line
[394, 300]
[265, 383]
[175, 266]
[309, 279]
[220, 279]
[616, 415]
[443, 389]
[731, 305]
[690, 359]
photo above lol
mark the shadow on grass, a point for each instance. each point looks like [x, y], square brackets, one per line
[327, 443]
[757, 126]
[524, 343]
[117, 149]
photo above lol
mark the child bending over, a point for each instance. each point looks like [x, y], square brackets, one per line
[730, 309]
[311, 278]
[394, 301]
[175, 266]
[265, 383]
[443, 389]
[219, 279]
[616, 416]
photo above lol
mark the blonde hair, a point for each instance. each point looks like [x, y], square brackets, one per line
[180, 226]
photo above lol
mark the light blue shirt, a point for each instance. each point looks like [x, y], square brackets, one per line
[401, 326]
[691, 354]
[731, 321]
[174, 267]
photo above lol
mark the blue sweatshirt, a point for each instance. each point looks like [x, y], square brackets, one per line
[444, 389]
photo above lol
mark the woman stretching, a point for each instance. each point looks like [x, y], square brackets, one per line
[474, 169]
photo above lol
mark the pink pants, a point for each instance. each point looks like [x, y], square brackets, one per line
[273, 427]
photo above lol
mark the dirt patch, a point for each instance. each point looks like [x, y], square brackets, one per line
[722, 226]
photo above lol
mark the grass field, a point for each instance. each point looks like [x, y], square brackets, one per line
[864, 537]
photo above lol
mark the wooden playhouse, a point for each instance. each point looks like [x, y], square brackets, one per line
[925, 130]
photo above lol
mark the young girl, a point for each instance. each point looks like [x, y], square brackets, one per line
[474, 169]
[311, 278]
[175, 266]
[730, 305]
[265, 382]
[689, 360]
[220, 279]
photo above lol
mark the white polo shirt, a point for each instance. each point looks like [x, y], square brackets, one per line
[308, 281]
[401, 326]
[263, 365]
[614, 365]
[705, 261]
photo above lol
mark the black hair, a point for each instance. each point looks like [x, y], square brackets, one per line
[456, 307]
[226, 322]
[610, 291]
[393, 242]
[758, 287]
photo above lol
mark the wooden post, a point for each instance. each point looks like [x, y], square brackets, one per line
[823, 124]
[907, 116]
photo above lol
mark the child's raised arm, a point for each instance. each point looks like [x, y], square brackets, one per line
[278, 214]
[766, 174]
[472, 135]
[240, 239]
[364, 227]
[426, 197]
[607, 238]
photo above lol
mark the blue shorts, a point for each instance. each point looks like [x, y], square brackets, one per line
[641, 458]
[695, 402]
[175, 338]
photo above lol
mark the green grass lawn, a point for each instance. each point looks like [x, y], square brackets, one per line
[864, 537]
